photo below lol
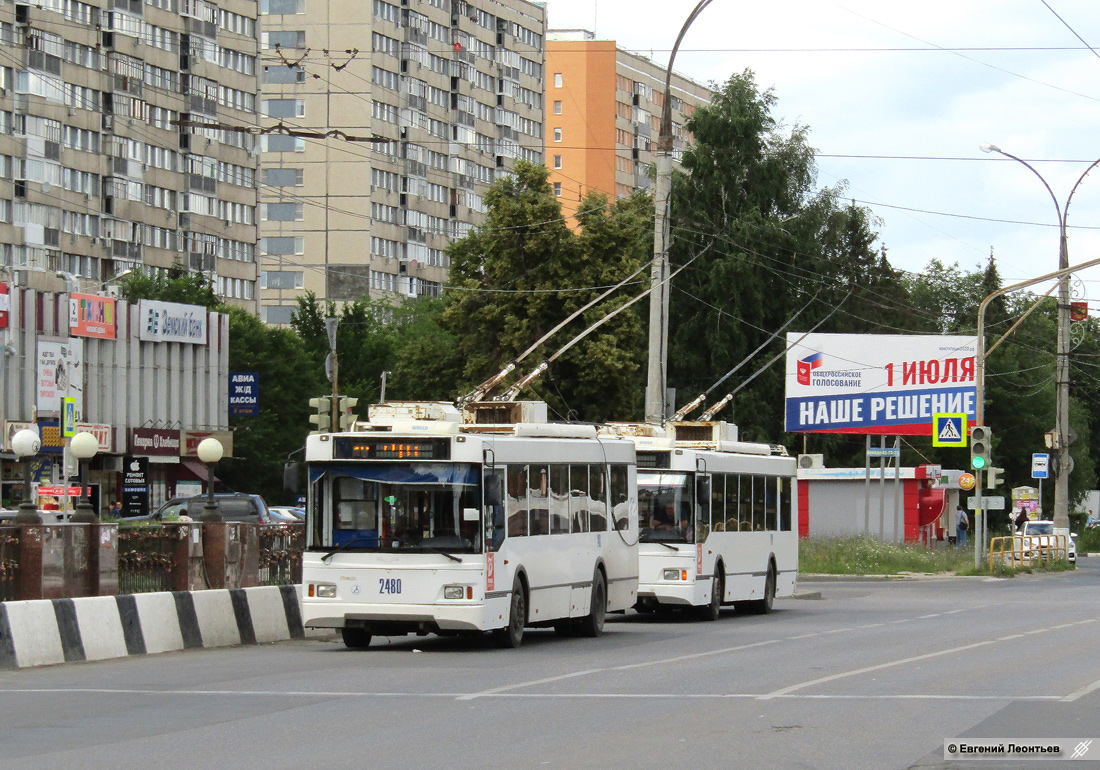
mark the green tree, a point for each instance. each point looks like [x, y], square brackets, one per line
[523, 271]
[760, 242]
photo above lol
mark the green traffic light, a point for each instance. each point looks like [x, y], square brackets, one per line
[977, 462]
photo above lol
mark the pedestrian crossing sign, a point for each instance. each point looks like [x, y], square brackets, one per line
[949, 429]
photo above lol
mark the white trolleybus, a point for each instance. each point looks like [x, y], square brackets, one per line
[425, 520]
[715, 519]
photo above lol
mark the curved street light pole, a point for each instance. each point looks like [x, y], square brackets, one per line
[657, 379]
[1061, 371]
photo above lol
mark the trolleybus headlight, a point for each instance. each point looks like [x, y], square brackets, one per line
[675, 574]
[325, 590]
[453, 592]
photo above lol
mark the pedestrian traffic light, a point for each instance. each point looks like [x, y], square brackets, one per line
[981, 444]
[347, 418]
[323, 418]
[996, 478]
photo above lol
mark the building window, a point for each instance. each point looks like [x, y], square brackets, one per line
[557, 108]
[281, 279]
[283, 177]
[284, 108]
[557, 80]
[282, 73]
[557, 189]
[557, 134]
[282, 245]
[282, 7]
[557, 161]
[283, 212]
[284, 38]
[278, 314]
[283, 143]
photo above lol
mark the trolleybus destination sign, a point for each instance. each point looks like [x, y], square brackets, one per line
[881, 384]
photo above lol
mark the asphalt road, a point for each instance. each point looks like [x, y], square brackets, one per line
[873, 675]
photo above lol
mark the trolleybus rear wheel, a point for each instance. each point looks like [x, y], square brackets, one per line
[592, 624]
[355, 638]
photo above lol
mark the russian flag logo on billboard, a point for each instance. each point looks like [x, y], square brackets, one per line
[807, 365]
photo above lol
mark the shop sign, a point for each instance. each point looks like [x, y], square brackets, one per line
[161, 442]
[244, 394]
[192, 439]
[11, 427]
[102, 433]
[92, 316]
[171, 322]
[60, 374]
[135, 486]
[5, 305]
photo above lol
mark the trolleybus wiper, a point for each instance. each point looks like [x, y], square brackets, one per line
[343, 546]
[441, 552]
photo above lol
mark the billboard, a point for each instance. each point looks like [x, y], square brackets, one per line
[171, 322]
[91, 316]
[880, 384]
[60, 373]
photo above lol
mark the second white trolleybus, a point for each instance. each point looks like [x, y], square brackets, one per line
[427, 520]
[715, 521]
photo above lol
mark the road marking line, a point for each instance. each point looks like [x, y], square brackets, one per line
[532, 683]
[1077, 694]
[595, 695]
[867, 669]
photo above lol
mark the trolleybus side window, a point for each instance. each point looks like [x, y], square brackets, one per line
[784, 504]
[758, 483]
[718, 503]
[516, 502]
[578, 497]
[738, 503]
[538, 500]
[559, 499]
[702, 508]
[597, 507]
[620, 487]
[771, 503]
[494, 508]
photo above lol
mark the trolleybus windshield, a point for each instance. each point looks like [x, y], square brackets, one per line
[665, 507]
[397, 507]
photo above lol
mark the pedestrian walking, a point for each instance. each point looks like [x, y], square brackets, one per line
[962, 523]
[1020, 520]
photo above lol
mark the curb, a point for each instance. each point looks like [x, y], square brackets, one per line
[51, 631]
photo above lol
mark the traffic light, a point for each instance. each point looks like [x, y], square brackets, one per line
[323, 418]
[981, 444]
[346, 417]
[995, 478]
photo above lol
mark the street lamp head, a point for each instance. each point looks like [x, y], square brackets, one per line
[84, 445]
[987, 147]
[210, 450]
[26, 443]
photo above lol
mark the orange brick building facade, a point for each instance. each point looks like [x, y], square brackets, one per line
[603, 112]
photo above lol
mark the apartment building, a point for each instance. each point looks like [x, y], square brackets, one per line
[104, 169]
[603, 114]
[384, 125]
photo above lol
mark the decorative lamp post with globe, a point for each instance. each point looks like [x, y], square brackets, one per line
[26, 444]
[84, 446]
[210, 451]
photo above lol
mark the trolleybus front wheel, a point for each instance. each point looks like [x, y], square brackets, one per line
[512, 635]
[712, 610]
[355, 638]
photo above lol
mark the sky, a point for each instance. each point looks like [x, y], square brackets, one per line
[890, 83]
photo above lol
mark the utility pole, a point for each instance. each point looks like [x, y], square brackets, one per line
[1062, 439]
[657, 380]
[331, 325]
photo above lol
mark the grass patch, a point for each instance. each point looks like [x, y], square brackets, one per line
[866, 556]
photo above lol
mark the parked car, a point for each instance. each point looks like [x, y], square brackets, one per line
[288, 515]
[1037, 540]
[235, 506]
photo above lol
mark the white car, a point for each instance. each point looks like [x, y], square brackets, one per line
[1037, 541]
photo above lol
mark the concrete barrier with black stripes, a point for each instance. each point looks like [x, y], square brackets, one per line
[49, 631]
